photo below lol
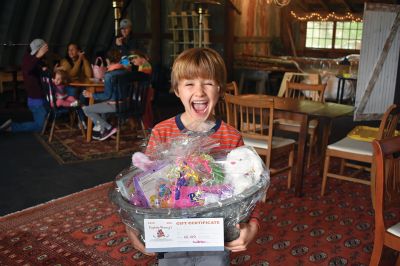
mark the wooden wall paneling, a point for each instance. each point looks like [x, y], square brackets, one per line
[195, 24]
[185, 29]
[175, 33]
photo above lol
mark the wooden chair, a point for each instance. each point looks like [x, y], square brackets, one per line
[55, 111]
[314, 92]
[298, 78]
[246, 116]
[387, 194]
[132, 103]
[220, 109]
[360, 151]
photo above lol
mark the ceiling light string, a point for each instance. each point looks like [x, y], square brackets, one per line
[330, 16]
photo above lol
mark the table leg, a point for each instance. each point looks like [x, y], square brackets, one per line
[89, 122]
[300, 155]
[326, 129]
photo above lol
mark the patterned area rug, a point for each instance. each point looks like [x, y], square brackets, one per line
[84, 229]
[68, 146]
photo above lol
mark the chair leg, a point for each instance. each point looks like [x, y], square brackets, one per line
[372, 173]
[45, 123]
[325, 176]
[291, 156]
[342, 166]
[118, 137]
[143, 129]
[52, 128]
[377, 253]
[81, 127]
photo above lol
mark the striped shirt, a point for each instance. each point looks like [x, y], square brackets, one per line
[164, 132]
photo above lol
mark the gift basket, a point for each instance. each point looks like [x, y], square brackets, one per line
[191, 178]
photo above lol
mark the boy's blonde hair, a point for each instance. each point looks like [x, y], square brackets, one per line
[203, 63]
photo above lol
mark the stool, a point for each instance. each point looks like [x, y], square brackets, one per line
[340, 88]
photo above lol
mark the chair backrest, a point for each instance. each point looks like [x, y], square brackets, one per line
[387, 178]
[122, 87]
[232, 88]
[389, 122]
[311, 78]
[253, 118]
[314, 92]
[139, 96]
[220, 109]
[49, 89]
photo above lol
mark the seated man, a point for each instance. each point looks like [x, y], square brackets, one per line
[103, 130]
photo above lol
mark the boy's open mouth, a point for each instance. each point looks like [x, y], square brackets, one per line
[200, 106]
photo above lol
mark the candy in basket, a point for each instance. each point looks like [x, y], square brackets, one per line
[192, 178]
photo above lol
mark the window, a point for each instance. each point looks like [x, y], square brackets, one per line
[334, 35]
[348, 35]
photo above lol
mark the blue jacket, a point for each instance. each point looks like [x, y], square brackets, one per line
[109, 93]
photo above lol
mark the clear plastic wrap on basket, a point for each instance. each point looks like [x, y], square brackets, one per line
[192, 178]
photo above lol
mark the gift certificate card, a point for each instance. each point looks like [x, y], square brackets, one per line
[194, 234]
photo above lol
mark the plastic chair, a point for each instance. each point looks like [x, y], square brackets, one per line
[359, 151]
[314, 92]
[55, 111]
[255, 121]
[387, 194]
[132, 103]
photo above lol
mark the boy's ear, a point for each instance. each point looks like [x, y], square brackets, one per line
[176, 93]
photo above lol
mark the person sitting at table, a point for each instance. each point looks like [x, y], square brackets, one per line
[33, 67]
[125, 41]
[76, 65]
[103, 130]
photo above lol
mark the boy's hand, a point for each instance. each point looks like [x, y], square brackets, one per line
[136, 243]
[248, 232]
[119, 40]
[42, 51]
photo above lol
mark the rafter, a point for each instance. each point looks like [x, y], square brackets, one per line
[302, 5]
[324, 5]
[348, 6]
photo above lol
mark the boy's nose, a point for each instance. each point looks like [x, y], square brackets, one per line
[199, 89]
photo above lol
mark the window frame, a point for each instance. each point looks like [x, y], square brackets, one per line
[333, 37]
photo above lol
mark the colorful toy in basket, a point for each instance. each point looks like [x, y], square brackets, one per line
[190, 173]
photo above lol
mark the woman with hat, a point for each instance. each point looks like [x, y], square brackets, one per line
[125, 42]
[32, 69]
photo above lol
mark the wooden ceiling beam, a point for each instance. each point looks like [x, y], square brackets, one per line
[348, 6]
[302, 5]
[324, 5]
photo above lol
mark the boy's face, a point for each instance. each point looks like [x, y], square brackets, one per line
[57, 80]
[199, 97]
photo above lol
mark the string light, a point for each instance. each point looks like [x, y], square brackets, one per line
[330, 16]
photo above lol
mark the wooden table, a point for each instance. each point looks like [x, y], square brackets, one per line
[92, 85]
[303, 111]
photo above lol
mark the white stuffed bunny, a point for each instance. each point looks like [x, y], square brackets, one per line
[243, 168]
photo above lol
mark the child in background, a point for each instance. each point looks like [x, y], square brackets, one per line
[60, 81]
[198, 78]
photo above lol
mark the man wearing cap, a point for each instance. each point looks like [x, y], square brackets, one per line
[125, 42]
[32, 69]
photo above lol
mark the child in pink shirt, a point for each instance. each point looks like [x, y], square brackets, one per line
[60, 80]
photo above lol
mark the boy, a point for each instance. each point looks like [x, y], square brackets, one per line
[198, 78]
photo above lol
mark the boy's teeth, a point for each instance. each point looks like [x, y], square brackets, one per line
[199, 106]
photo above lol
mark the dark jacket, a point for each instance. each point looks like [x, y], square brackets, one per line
[31, 71]
[129, 44]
